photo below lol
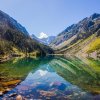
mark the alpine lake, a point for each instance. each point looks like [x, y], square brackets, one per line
[50, 78]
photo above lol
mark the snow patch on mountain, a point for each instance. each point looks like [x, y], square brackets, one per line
[43, 38]
[42, 35]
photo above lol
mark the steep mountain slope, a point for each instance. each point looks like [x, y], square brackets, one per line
[14, 39]
[34, 37]
[79, 38]
[6, 20]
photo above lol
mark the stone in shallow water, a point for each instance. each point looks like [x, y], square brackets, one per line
[1, 93]
[47, 93]
[19, 97]
[8, 89]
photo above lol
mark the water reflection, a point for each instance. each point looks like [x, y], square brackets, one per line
[57, 78]
[78, 72]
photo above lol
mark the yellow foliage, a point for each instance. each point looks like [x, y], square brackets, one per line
[94, 45]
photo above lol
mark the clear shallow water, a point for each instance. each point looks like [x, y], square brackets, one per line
[55, 78]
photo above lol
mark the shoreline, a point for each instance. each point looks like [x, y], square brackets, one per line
[9, 57]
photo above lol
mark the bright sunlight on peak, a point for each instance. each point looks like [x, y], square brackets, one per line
[43, 35]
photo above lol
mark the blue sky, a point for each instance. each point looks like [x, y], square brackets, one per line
[49, 16]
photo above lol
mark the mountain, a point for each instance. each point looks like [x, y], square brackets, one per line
[6, 20]
[15, 40]
[43, 35]
[34, 37]
[47, 40]
[81, 38]
[43, 38]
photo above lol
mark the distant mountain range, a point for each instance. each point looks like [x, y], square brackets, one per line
[78, 39]
[47, 40]
[43, 38]
[15, 40]
[82, 38]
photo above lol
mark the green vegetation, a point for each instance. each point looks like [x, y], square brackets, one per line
[15, 40]
[94, 45]
[5, 47]
[16, 44]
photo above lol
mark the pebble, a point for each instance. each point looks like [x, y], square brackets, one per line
[19, 97]
[8, 89]
[1, 93]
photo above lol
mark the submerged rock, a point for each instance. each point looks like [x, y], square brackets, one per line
[8, 89]
[47, 93]
[1, 93]
[19, 97]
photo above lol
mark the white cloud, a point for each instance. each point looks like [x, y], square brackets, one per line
[43, 35]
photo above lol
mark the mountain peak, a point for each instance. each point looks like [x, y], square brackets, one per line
[42, 35]
[95, 15]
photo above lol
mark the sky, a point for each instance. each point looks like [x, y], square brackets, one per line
[49, 16]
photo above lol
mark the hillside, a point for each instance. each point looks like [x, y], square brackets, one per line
[15, 40]
[82, 38]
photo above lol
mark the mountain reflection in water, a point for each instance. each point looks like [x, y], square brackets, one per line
[54, 78]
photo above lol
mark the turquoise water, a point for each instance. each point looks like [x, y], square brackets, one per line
[55, 78]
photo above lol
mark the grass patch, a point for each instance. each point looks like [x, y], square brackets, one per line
[94, 45]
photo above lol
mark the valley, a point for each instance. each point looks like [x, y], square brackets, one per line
[81, 39]
[50, 50]
[65, 66]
